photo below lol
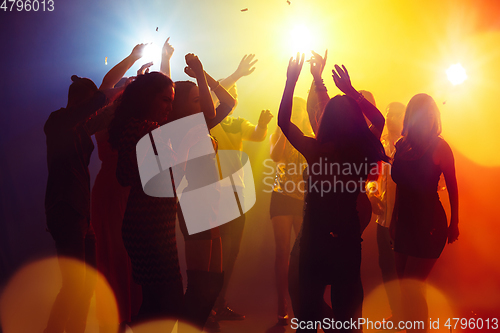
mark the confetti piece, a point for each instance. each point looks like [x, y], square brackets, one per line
[244, 10]
[156, 28]
[288, 2]
[106, 60]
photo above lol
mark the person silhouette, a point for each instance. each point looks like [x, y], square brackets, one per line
[419, 225]
[330, 246]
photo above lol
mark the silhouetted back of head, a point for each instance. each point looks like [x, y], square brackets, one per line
[80, 90]
[344, 126]
[136, 102]
[182, 91]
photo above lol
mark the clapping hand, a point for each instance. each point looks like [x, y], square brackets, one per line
[194, 64]
[294, 67]
[189, 72]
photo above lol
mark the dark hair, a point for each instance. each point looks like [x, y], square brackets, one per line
[135, 102]
[344, 126]
[81, 89]
[416, 137]
[182, 90]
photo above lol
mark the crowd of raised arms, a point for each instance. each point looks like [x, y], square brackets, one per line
[391, 167]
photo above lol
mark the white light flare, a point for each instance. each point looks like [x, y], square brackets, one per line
[456, 74]
[300, 38]
[152, 52]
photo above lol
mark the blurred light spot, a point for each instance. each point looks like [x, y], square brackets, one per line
[376, 306]
[456, 74]
[164, 326]
[27, 299]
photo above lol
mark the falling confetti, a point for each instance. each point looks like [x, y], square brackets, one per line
[288, 2]
[106, 60]
[157, 29]
[244, 10]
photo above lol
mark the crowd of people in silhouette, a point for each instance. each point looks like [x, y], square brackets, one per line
[129, 236]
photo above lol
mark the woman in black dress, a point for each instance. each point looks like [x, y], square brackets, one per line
[148, 228]
[419, 225]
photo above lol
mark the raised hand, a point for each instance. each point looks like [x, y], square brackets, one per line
[189, 72]
[294, 68]
[317, 64]
[137, 51]
[265, 118]
[144, 68]
[343, 81]
[194, 63]
[167, 50]
[245, 67]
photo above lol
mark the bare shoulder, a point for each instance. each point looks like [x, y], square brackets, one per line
[443, 152]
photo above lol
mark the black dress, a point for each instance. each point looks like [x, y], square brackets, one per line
[421, 229]
[148, 228]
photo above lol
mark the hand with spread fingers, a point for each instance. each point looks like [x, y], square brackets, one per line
[246, 65]
[343, 81]
[294, 67]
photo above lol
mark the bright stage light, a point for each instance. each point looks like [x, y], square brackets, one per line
[152, 52]
[456, 74]
[300, 37]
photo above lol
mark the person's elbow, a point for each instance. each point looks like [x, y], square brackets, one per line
[283, 124]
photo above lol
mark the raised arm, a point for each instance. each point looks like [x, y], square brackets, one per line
[227, 102]
[244, 68]
[343, 82]
[447, 164]
[318, 95]
[166, 53]
[305, 145]
[117, 72]
[206, 103]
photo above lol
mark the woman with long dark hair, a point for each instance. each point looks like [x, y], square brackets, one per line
[148, 227]
[339, 158]
[419, 225]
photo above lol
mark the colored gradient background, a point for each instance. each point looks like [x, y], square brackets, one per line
[392, 48]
